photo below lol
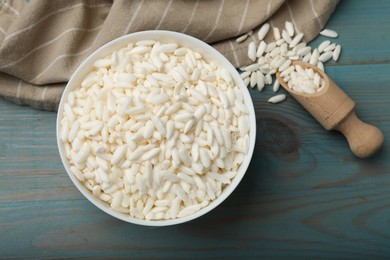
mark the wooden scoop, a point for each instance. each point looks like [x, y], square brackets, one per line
[335, 110]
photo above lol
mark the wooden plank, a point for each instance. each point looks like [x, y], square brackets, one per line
[304, 190]
[363, 28]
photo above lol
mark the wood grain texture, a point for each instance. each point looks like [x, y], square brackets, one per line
[305, 194]
[335, 110]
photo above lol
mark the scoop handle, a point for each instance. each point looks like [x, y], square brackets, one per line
[364, 139]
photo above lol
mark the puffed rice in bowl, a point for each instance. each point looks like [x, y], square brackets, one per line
[156, 128]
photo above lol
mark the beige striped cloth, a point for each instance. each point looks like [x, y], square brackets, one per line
[42, 42]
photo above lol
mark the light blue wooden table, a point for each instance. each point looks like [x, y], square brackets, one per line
[304, 195]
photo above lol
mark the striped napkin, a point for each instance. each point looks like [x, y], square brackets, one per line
[43, 42]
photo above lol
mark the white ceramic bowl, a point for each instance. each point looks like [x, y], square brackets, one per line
[169, 37]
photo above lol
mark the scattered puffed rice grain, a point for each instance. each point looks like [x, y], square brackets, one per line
[260, 80]
[307, 57]
[304, 51]
[252, 51]
[323, 45]
[330, 47]
[263, 31]
[247, 81]
[329, 33]
[245, 74]
[285, 65]
[289, 28]
[336, 53]
[297, 39]
[276, 86]
[261, 49]
[270, 47]
[242, 38]
[286, 36]
[314, 57]
[253, 80]
[277, 99]
[320, 65]
[252, 67]
[325, 56]
[276, 32]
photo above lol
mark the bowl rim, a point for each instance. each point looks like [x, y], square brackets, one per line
[184, 40]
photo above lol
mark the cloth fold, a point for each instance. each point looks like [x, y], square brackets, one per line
[43, 42]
